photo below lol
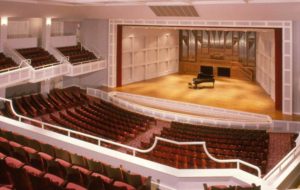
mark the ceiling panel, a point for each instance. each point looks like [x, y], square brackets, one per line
[174, 11]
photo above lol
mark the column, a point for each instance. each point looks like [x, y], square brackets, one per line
[3, 32]
[46, 86]
[46, 33]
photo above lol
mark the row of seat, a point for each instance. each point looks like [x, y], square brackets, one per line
[73, 109]
[38, 56]
[93, 119]
[29, 164]
[77, 54]
[7, 63]
[119, 111]
[248, 145]
[38, 104]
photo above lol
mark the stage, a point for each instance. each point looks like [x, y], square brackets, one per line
[227, 93]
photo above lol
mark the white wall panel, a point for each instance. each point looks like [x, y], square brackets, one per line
[265, 64]
[139, 73]
[61, 41]
[147, 52]
[139, 58]
[17, 43]
[20, 28]
[127, 59]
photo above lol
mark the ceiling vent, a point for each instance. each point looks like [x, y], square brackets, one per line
[174, 11]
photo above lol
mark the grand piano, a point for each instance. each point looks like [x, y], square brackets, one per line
[202, 78]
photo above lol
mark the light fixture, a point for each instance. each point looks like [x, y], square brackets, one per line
[4, 21]
[48, 21]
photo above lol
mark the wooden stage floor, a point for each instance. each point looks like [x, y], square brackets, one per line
[228, 93]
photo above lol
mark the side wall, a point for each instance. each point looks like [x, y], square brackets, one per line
[265, 61]
[94, 36]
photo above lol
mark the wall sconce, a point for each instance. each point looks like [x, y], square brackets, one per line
[4, 21]
[48, 21]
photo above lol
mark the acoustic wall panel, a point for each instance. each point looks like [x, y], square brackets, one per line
[265, 64]
[139, 58]
[139, 73]
[127, 44]
[152, 55]
[127, 59]
[148, 53]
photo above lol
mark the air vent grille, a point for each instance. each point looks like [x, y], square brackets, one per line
[174, 11]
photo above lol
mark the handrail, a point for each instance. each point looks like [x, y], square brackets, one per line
[47, 65]
[208, 108]
[278, 168]
[83, 62]
[133, 149]
[13, 69]
[207, 121]
[93, 50]
[9, 69]
[57, 54]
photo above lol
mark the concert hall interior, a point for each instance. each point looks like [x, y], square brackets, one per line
[149, 95]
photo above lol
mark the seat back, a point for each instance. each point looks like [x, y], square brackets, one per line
[20, 179]
[62, 154]
[46, 148]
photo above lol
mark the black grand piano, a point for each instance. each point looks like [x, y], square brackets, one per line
[202, 78]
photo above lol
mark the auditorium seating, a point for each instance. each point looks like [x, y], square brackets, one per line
[7, 63]
[77, 54]
[248, 145]
[72, 109]
[27, 164]
[103, 120]
[38, 104]
[38, 56]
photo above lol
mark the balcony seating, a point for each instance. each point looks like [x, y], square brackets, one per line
[77, 54]
[37, 104]
[7, 63]
[34, 165]
[72, 109]
[248, 145]
[38, 56]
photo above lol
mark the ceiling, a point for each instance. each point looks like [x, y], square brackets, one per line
[240, 10]
[148, 2]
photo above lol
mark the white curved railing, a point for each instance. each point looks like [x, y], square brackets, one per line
[133, 149]
[283, 165]
[237, 119]
[203, 109]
